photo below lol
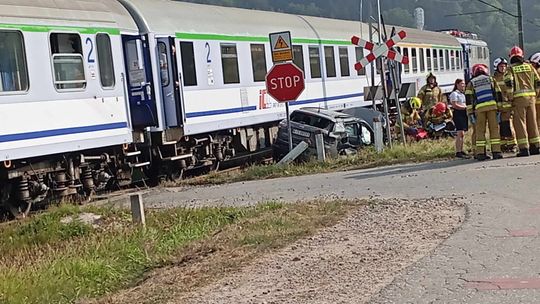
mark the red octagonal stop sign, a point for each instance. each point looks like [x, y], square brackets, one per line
[285, 82]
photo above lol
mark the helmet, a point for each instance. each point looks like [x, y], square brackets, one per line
[498, 61]
[439, 108]
[535, 58]
[479, 69]
[415, 103]
[516, 51]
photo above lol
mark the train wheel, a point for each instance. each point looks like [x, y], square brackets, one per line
[19, 210]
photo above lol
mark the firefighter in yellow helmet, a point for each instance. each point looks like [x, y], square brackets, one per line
[508, 139]
[430, 94]
[483, 93]
[535, 61]
[410, 116]
[522, 82]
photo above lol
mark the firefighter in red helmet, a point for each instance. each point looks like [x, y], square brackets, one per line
[483, 94]
[522, 82]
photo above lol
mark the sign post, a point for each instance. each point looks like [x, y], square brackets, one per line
[284, 81]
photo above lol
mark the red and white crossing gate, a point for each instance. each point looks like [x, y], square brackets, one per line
[380, 50]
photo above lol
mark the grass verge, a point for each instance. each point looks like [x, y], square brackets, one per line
[368, 158]
[45, 261]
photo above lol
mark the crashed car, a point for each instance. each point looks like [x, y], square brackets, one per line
[342, 133]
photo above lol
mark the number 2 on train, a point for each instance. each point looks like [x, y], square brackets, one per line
[207, 47]
[91, 53]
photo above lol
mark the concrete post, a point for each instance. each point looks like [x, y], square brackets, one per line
[378, 130]
[137, 209]
[319, 140]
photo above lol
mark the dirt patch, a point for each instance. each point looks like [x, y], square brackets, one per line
[346, 263]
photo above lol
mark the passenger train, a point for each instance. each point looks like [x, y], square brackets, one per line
[91, 91]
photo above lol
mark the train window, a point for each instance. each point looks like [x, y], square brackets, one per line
[406, 67]
[105, 60]
[298, 55]
[447, 57]
[188, 64]
[435, 60]
[229, 62]
[359, 55]
[13, 70]
[67, 57]
[441, 60]
[452, 60]
[414, 60]
[458, 59]
[422, 62]
[330, 60]
[258, 62]
[428, 58]
[163, 64]
[315, 62]
[344, 61]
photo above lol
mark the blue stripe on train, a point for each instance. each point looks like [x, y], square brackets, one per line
[59, 132]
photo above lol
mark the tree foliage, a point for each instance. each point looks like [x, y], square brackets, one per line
[498, 29]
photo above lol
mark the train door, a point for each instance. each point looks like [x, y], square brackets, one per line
[170, 86]
[467, 61]
[139, 82]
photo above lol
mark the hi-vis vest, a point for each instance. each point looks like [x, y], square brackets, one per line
[483, 91]
[521, 81]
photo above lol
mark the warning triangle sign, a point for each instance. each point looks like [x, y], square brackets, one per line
[281, 44]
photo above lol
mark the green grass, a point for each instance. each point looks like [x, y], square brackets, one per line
[368, 158]
[44, 261]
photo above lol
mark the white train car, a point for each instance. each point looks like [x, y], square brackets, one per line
[61, 95]
[218, 58]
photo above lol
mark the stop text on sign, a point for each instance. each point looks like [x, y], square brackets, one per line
[285, 82]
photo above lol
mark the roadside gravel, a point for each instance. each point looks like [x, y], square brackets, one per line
[347, 263]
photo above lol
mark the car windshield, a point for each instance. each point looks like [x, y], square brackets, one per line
[312, 120]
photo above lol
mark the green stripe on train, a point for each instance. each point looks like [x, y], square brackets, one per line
[195, 36]
[49, 28]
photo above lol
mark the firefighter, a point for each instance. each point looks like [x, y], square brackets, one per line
[438, 119]
[430, 93]
[522, 82]
[410, 116]
[535, 61]
[483, 93]
[508, 140]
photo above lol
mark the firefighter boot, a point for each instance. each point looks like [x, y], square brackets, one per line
[497, 155]
[534, 150]
[523, 153]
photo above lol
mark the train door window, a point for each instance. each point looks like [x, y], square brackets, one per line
[414, 59]
[458, 60]
[422, 60]
[428, 58]
[452, 60]
[315, 62]
[67, 57]
[188, 64]
[229, 62]
[435, 60]
[344, 61]
[298, 55]
[441, 60]
[359, 55]
[447, 57]
[258, 62]
[330, 61]
[13, 69]
[163, 64]
[406, 67]
[105, 60]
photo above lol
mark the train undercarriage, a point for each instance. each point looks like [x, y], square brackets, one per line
[31, 184]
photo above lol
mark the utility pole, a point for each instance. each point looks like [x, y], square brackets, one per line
[520, 25]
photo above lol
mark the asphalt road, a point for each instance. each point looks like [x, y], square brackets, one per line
[493, 258]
